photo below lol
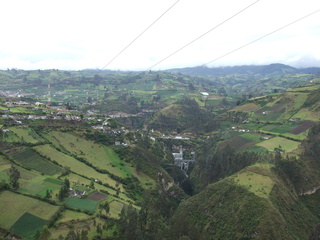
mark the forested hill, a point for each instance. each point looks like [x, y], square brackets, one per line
[275, 69]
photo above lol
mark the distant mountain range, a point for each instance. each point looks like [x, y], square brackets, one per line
[275, 69]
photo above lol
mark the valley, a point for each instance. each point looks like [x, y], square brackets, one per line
[89, 154]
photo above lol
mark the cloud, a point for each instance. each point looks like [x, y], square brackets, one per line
[81, 34]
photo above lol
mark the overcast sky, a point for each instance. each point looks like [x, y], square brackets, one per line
[72, 35]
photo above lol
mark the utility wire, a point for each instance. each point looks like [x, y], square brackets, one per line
[243, 46]
[196, 39]
[139, 35]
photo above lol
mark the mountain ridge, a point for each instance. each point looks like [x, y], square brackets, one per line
[274, 69]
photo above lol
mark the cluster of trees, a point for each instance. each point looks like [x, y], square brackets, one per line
[302, 172]
[153, 220]
[64, 190]
[214, 164]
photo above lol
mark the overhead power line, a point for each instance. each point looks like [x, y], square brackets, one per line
[139, 35]
[245, 45]
[196, 39]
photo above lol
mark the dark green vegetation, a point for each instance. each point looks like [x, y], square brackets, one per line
[28, 225]
[98, 156]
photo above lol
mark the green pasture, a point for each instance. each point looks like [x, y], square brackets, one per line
[10, 137]
[298, 137]
[77, 180]
[28, 225]
[4, 169]
[38, 184]
[269, 116]
[285, 128]
[69, 215]
[249, 107]
[252, 137]
[306, 88]
[275, 142]
[144, 92]
[83, 204]
[256, 149]
[115, 209]
[238, 142]
[167, 92]
[17, 205]
[212, 102]
[98, 155]
[26, 134]
[251, 126]
[20, 110]
[256, 179]
[31, 159]
[76, 166]
[307, 114]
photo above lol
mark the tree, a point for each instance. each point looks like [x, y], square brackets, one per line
[104, 206]
[45, 233]
[65, 171]
[64, 190]
[92, 184]
[14, 176]
[48, 194]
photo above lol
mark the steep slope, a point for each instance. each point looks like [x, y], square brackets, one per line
[185, 115]
[276, 198]
[252, 204]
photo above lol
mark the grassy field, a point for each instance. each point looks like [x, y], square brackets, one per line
[17, 205]
[115, 208]
[4, 168]
[252, 137]
[69, 215]
[74, 164]
[249, 107]
[240, 142]
[83, 204]
[26, 134]
[257, 179]
[275, 142]
[28, 225]
[10, 137]
[275, 128]
[31, 159]
[307, 114]
[98, 155]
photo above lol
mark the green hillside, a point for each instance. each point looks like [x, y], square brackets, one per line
[89, 154]
[272, 199]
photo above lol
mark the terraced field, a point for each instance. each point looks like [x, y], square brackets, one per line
[17, 205]
[26, 135]
[76, 166]
[31, 159]
[279, 142]
[98, 155]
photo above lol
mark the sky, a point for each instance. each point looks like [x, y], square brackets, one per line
[82, 34]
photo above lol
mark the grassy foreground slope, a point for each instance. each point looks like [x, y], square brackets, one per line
[275, 198]
[252, 204]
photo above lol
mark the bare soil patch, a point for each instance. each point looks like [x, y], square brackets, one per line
[97, 196]
[305, 126]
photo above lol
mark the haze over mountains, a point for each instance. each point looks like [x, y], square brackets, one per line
[264, 70]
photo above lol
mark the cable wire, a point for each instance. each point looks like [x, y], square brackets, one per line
[245, 45]
[196, 39]
[139, 36]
